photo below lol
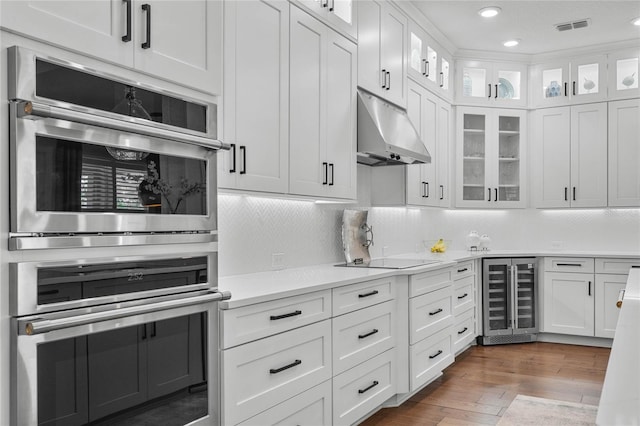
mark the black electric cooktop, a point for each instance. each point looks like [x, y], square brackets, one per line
[390, 263]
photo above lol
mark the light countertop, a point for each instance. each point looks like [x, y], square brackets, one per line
[260, 287]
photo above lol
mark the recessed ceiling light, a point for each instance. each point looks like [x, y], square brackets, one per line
[511, 43]
[489, 12]
[636, 21]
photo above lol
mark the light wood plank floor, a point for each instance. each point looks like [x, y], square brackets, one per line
[480, 385]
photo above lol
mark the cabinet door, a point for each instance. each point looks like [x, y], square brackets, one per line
[341, 112]
[473, 134]
[509, 85]
[588, 155]
[417, 53]
[474, 82]
[308, 166]
[589, 79]
[392, 54]
[569, 303]
[550, 84]
[624, 74]
[340, 14]
[370, 74]
[184, 42]
[444, 126]
[551, 132]
[509, 172]
[624, 153]
[607, 289]
[256, 105]
[95, 28]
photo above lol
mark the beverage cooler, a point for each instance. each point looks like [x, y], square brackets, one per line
[509, 301]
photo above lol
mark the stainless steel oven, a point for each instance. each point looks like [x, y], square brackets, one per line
[129, 340]
[93, 155]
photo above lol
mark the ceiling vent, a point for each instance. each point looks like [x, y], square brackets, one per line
[581, 23]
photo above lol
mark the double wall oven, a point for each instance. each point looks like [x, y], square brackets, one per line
[97, 161]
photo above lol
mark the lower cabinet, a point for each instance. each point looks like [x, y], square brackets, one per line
[429, 357]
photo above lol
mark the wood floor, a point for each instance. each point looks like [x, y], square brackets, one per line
[480, 385]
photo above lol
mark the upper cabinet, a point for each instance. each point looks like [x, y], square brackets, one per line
[429, 65]
[624, 153]
[322, 129]
[132, 33]
[491, 157]
[623, 75]
[580, 80]
[339, 14]
[382, 33]
[256, 100]
[491, 84]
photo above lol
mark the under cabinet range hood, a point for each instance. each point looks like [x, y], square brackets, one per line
[385, 134]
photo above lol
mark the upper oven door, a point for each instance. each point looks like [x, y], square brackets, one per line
[69, 177]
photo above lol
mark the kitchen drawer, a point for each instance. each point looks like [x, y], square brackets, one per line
[264, 373]
[357, 296]
[362, 334]
[429, 357]
[569, 264]
[615, 266]
[253, 322]
[464, 269]
[429, 281]
[360, 390]
[464, 330]
[430, 313]
[463, 295]
[311, 407]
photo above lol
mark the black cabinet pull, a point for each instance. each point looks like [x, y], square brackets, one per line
[153, 329]
[425, 64]
[233, 158]
[442, 192]
[243, 152]
[565, 89]
[463, 270]
[463, 330]
[574, 193]
[290, 314]
[325, 167]
[463, 296]
[589, 288]
[574, 88]
[437, 354]
[147, 8]
[325, 3]
[496, 200]
[332, 176]
[489, 189]
[286, 367]
[127, 37]
[566, 197]
[427, 193]
[388, 80]
[48, 292]
[441, 79]
[496, 95]
[489, 96]
[569, 264]
[144, 331]
[427, 69]
[373, 293]
[436, 312]
[375, 383]
[384, 79]
[333, 2]
[424, 189]
[372, 332]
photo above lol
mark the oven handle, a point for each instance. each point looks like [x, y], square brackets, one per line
[28, 109]
[33, 326]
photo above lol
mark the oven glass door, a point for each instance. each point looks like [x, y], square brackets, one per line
[157, 368]
[68, 175]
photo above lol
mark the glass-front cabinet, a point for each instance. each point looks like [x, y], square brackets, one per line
[491, 158]
[429, 64]
[488, 83]
[339, 13]
[623, 74]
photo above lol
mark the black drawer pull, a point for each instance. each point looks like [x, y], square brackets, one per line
[286, 367]
[437, 354]
[463, 270]
[48, 292]
[436, 312]
[373, 293]
[290, 314]
[463, 330]
[463, 296]
[147, 43]
[362, 336]
[577, 265]
[375, 383]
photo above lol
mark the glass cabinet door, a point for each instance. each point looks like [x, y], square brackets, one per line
[474, 81]
[508, 158]
[444, 75]
[550, 84]
[473, 157]
[509, 85]
[588, 79]
[623, 75]
[343, 9]
[432, 64]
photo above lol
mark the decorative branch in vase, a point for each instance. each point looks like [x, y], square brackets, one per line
[152, 188]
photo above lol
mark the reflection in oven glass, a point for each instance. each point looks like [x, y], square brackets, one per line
[150, 374]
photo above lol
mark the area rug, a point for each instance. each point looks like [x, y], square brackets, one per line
[528, 410]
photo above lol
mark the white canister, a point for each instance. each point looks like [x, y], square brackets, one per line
[473, 240]
[485, 242]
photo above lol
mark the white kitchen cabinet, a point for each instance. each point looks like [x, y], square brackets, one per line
[256, 101]
[177, 41]
[382, 33]
[575, 81]
[429, 65]
[491, 157]
[607, 288]
[570, 156]
[491, 84]
[624, 153]
[624, 74]
[339, 14]
[322, 126]
[568, 303]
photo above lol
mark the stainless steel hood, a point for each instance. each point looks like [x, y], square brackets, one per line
[385, 134]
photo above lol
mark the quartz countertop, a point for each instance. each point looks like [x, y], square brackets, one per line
[247, 289]
[620, 398]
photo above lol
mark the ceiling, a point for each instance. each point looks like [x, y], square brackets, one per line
[533, 22]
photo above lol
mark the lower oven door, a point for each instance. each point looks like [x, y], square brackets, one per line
[155, 363]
